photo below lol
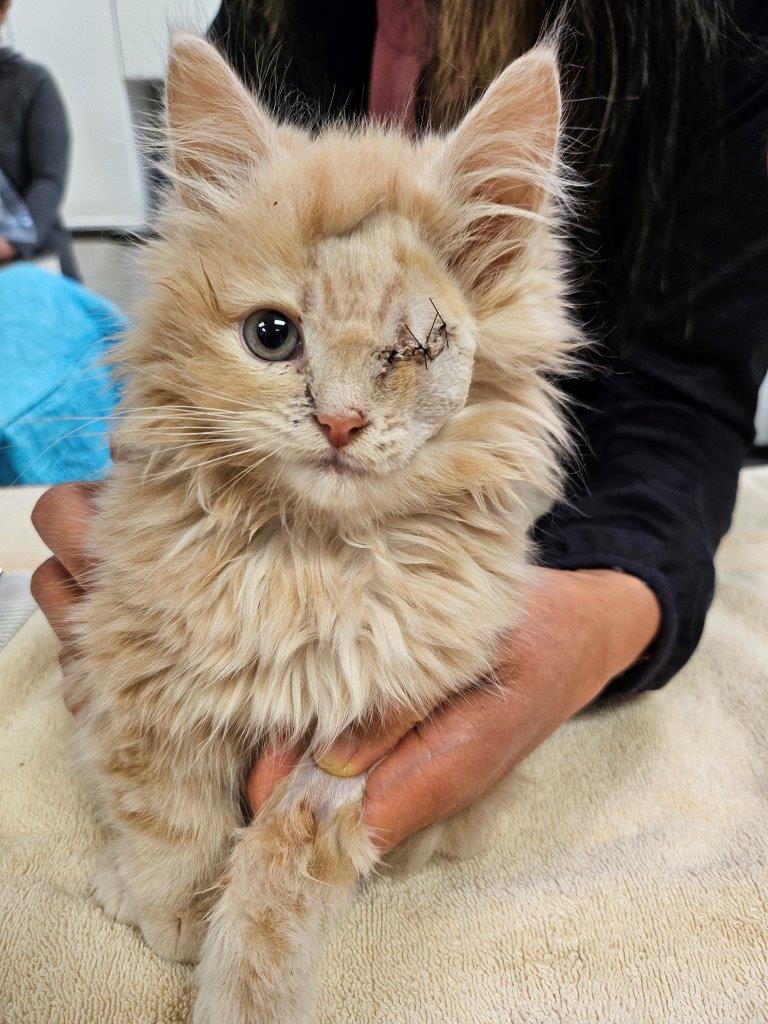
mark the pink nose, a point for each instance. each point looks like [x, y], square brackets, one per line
[341, 429]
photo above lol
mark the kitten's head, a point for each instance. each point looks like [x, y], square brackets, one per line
[338, 314]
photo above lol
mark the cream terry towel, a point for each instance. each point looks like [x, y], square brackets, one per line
[629, 884]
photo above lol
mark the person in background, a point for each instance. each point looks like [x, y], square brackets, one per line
[34, 154]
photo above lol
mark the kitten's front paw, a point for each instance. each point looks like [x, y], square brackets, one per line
[172, 934]
[111, 894]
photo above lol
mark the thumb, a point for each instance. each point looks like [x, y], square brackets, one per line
[358, 747]
[274, 763]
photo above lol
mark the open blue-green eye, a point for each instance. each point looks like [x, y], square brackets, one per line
[271, 335]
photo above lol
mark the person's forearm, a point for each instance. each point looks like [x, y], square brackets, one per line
[653, 502]
[48, 156]
[627, 614]
[42, 200]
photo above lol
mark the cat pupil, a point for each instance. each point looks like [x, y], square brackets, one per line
[271, 335]
[273, 330]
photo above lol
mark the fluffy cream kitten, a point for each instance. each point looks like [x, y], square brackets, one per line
[338, 403]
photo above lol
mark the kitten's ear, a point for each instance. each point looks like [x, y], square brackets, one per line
[217, 129]
[503, 154]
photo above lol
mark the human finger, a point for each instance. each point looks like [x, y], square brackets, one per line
[61, 517]
[275, 762]
[359, 747]
[56, 593]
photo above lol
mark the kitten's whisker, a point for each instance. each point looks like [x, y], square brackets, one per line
[174, 469]
[48, 447]
[197, 444]
[249, 469]
[171, 386]
[223, 434]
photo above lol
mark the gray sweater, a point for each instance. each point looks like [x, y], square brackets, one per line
[34, 151]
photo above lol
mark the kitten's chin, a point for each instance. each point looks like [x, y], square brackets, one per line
[330, 481]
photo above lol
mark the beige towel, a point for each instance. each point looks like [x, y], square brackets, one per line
[629, 885]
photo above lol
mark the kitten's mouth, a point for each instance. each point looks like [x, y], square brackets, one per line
[337, 464]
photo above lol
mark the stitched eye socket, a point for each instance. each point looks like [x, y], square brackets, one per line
[271, 335]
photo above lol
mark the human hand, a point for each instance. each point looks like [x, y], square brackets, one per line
[61, 517]
[580, 630]
[7, 251]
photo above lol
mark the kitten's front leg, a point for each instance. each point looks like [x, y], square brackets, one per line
[290, 872]
[168, 843]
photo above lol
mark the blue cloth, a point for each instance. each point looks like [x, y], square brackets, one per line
[54, 391]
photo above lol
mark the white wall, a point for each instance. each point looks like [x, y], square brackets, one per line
[145, 27]
[78, 43]
[93, 47]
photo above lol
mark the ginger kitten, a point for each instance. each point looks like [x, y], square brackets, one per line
[338, 403]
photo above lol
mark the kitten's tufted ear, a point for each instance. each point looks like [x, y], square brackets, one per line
[217, 129]
[502, 158]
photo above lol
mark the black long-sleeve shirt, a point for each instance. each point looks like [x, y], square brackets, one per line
[665, 426]
[668, 424]
[34, 150]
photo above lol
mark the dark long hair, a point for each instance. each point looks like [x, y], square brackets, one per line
[644, 79]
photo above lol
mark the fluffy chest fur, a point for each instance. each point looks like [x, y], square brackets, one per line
[203, 624]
